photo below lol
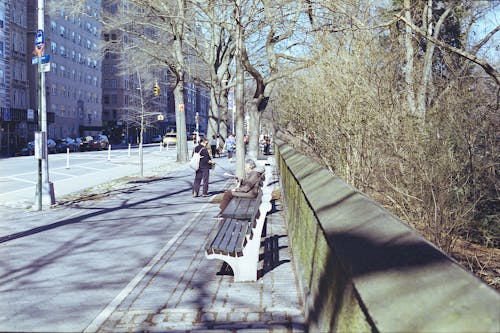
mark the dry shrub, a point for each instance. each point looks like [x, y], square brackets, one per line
[439, 174]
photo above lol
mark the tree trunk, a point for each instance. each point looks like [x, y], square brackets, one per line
[409, 67]
[213, 114]
[180, 120]
[254, 131]
[239, 98]
[223, 114]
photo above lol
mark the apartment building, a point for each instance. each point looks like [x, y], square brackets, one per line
[74, 95]
[16, 119]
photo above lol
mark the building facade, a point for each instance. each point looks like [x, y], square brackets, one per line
[17, 120]
[74, 94]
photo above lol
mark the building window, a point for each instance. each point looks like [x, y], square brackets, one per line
[105, 99]
[1, 49]
[53, 47]
[113, 83]
[114, 99]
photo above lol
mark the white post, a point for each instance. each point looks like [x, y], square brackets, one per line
[67, 158]
[129, 150]
[161, 147]
[109, 153]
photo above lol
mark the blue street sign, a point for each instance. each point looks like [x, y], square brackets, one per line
[39, 39]
[45, 58]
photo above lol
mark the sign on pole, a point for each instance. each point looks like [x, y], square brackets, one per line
[39, 38]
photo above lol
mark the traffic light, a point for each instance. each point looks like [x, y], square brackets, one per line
[156, 89]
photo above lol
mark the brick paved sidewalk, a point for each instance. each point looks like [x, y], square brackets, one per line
[184, 291]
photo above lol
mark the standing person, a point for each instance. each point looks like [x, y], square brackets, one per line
[267, 145]
[230, 146]
[203, 171]
[220, 144]
[213, 146]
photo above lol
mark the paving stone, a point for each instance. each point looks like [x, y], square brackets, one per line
[253, 317]
[279, 317]
[139, 318]
[159, 318]
[266, 316]
[237, 316]
[208, 316]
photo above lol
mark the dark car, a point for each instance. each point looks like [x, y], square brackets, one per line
[100, 142]
[29, 149]
[61, 146]
[51, 146]
[86, 143]
[73, 144]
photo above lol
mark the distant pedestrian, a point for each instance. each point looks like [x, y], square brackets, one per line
[213, 146]
[267, 145]
[203, 172]
[220, 144]
[230, 146]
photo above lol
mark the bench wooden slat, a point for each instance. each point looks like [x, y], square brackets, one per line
[215, 239]
[242, 208]
[224, 246]
[230, 238]
[238, 226]
[241, 241]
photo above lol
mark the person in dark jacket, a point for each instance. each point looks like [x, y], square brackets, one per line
[203, 172]
[249, 187]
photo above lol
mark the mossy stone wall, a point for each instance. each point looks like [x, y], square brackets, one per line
[362, 270]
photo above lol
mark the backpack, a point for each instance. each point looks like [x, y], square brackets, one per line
[194, 163]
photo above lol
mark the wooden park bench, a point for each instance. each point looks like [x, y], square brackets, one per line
[236, 239]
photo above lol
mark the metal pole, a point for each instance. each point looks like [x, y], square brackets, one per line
[45, 194]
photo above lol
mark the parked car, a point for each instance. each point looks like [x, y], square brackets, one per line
[170, 139]
[61, 146]
[86, 143]
[157, 139]
[51, 146]
[100, 142]
[28, 149]
[78, 143]
[73, 145]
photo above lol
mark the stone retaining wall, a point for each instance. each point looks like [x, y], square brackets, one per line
[362, 269]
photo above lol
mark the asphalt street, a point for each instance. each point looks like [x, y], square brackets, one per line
[76, 171]
[130, 257]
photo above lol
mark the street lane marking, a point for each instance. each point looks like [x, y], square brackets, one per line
[111, 307]
[22, 180]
